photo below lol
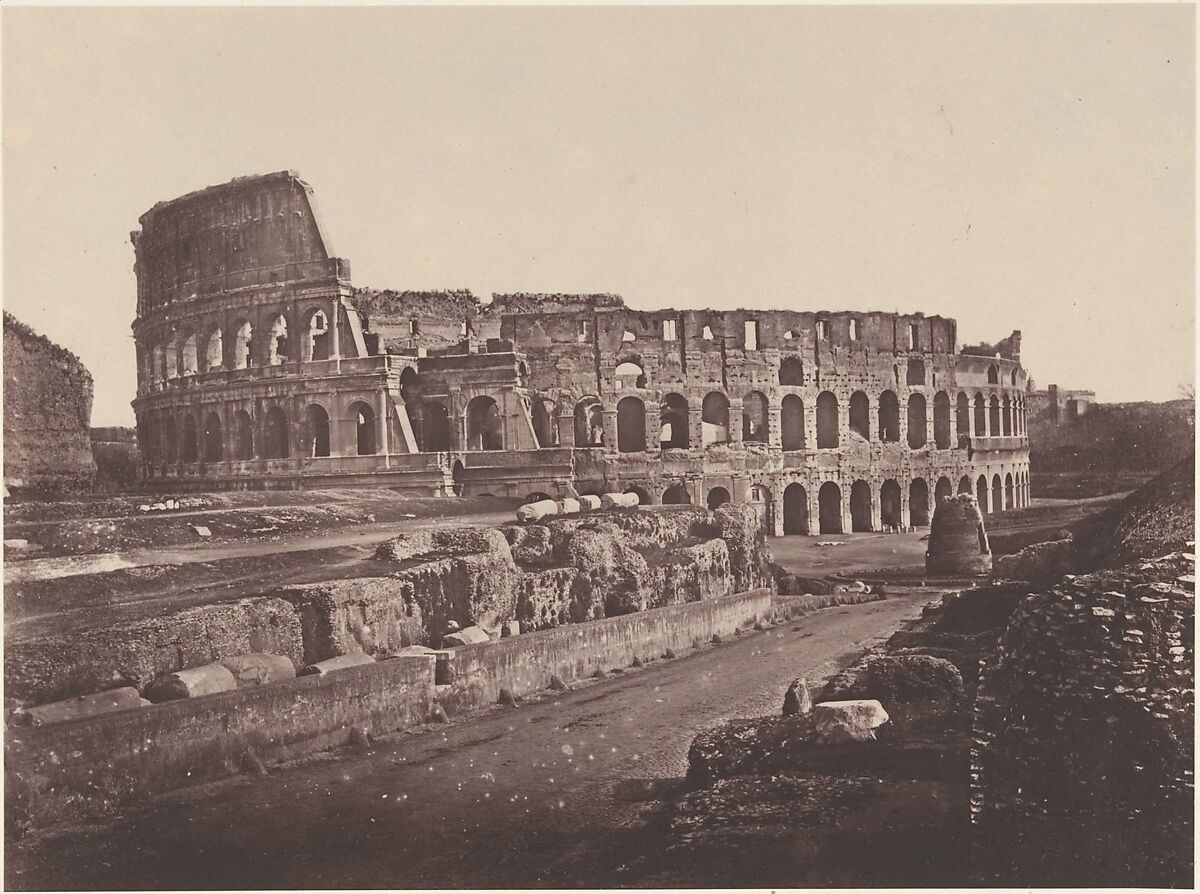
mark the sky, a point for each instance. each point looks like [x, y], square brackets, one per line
[1014, 167]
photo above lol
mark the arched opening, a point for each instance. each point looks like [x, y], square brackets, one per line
[589, 423]
[214, 351]
[676, 495]
[172, 370]
[316, 336]
[829, 506]
[980, 429]
[917, 421]
[1008, 491]
[717, 497]
[275, 434]
[791, 371]
[889, 417]
[535, 497]
[964, 484]
[918, 503]
[158, 364]
[791, 422]
[860, 416]
[1006, 415]
[630, 375]
[1013, 379]
[631, 425]
[171, 447]
[641, 493]
[962, 414]
[981, 494]
[522, 374]
[435, 426]
[187, 356]
[316, 430]
[994, 416]
[214, 439]
[997, 494]
[860, 506]
[993, 375]
[277, 346]
[756, 422]
[760, 498]
[714, 418]
[889, 504]
[941, 420]
[362, 415]
[675, 422]
[188, 448]
[916, 372]
[458, 476]
[827, 425]
[943, 490]
[242, 343]
[545, 422]
[484, 424]
[243, 436]
[795, 509]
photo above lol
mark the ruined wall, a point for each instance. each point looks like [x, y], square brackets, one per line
[409, 322]
[47, 414]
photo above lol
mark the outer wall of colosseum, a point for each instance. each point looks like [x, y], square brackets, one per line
[260, 365]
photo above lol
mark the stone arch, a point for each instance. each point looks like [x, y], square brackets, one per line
[791, 422]
[760, 498]
[997, 494]
[1008, 491]
[860, 506]
[860, 415]
[362, 416]
[317, 335]
[915, 374]
[962, 414]
[158, 364]
[243, 343]
[791, 371]
[214, 439]
[485, 427]
[889, 417]
[941, 420]
[795, 509]
[275, 441]
[994, 416]
[277, 343]
[172, 357]
[631, 425]
[243, 436]
[214, 351]
[640, 492]
[964, 484]
[981, 494]
[435, 425]
[630, 374]
[889, 504]
[1006, 415]
[536, 496]
[189, 443]
[188, 356]
[980, 426]
[589, 422]
[316, 430]
[523, 372]
[756, 418]
[676, 495]
[827, 425]
[918, 421]
[714, 418]
[943, 490]
[458, 475]
[918, 503]
[829, 506]
[993, 375]
[675, 418]
[717, 497]
[545, 422]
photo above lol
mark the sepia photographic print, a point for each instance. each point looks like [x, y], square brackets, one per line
[594, 447]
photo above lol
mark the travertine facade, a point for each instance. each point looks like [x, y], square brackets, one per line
[260, 365]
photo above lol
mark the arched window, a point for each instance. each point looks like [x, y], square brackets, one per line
[860, 506]
[242, 353]
[829, 505]
[158, 364]
[316, 336]
[791, 371]
[941, 420]
[997, 494]
[675, 422]
[860, 419]
[994, 416]
[435, 426]
[981, 494]
[944, 490]
[1006, 415]
[756, 420]
[276, 441]
[188, 356]
[589, 423]
[795, 509]
[545, 422]
[993, 375]
[188, 451]
[916, 372]
[631, 425]
[172, 366]
[962, 414]
[676, 495]
[827, 425]
[1008, 491]
[714, 415]
[214, 439]
[362, 415]
[214, 351]
[889, 417]
[1013, 378]
[980, 416]
[889, 504]
[316, 430]
[717, 497]
[918, 503]
[278, 345]
[243, 432]
[791, 422]
[964, 484]
[630, 375]
[918, 421]
[484, 425]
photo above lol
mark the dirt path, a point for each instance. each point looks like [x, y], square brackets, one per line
[548, 794]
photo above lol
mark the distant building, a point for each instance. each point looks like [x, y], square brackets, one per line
[1060, 405]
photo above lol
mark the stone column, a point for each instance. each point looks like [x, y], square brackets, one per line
[382, 427]
[775, 425]
[335, 341]
[653, 424]
[876, 506]
[735, 421]
[905, 518]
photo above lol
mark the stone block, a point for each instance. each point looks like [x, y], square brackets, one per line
[82, 706]
[331, 665]
[258, 668]
[191, 682]
[465, 637]
[848, 721]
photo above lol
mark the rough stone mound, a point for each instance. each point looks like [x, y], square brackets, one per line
[898, 678]
[958, 543]
[1041, 561]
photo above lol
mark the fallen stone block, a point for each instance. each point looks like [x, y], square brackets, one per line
[329, 665]
[201, 531]
[466, 637]
[537, 510]
[16, 543]
[191, 682]
[589, 503]
[619, 501]
[848, 721]
[568, 506]
[258, 668]
[83, 706]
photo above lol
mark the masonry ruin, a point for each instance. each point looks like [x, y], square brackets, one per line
[260, 365]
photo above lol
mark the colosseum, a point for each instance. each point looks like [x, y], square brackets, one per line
[260, 365]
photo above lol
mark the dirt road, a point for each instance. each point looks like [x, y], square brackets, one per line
[547, 794]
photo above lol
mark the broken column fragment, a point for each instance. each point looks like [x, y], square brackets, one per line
[958, 543]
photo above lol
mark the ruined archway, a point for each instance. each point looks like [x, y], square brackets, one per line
[860, 506]
[962, 414]
[760, 498]
[362, 417]
[889, 417]
[943, 490]
[641, 493]
[791, 422]
[316, 430]
[791, 371]
[435, 426]
[997, 494]
[918, 503]
[676, 495]
[316, 335]
[941, 420]
[889, 504]
[214, 439]
[756, 420]
[829, 507]
[589, 422]
[631, 425]
[981, 494]
[188, 451]
[242, 344]
[214, 351]
[994, 416]
[795, 509]
[717, 497]
[993, 375]
[860, 415]
[188, 356]
[964, 484]
[1008, 491]
[275, 434]
[980, 428]
[675, 422]
[545, 422]
[243, 436]
[485, 427]
[1006, 415]
[277, 344]
[714, 416]
[918, 431]
[827, 424]
[630, 374]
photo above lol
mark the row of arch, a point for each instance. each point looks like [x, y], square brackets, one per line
[982, 417]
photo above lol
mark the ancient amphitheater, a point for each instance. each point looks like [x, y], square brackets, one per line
[260, 365]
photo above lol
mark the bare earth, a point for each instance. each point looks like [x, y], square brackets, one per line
[549, 794]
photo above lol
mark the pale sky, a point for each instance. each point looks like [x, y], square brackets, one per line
[1014, 167]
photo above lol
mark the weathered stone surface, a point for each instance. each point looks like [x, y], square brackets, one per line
[1041, 561]
[191, 683]
[853, 720]
[465, 637]
[83, 706]
[958, 543]
[258, 668]
[898, 678]
[332, 665]
[589, 503]
[370, 614]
